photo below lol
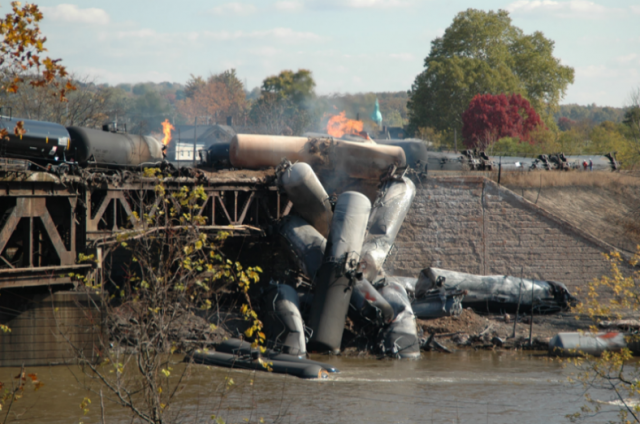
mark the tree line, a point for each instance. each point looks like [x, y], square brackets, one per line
[493, 87]
[285, 104]
[486, 84]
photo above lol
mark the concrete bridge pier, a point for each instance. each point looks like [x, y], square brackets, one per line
[45, 326]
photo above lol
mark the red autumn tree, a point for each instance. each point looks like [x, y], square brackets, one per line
[491, 117]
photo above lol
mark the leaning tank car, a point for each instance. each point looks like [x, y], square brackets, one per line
[48, 142]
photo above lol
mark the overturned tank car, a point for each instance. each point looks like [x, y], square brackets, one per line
[499, 293]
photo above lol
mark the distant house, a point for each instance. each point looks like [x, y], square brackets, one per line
[183, 151]
[182, 138]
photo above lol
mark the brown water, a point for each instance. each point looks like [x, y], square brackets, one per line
[464, 387]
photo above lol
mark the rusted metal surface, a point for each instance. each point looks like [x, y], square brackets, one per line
[262, 151]
[357, 160]
[46, 220]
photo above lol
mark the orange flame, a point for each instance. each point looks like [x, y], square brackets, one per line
[166, 130]
[340, 125]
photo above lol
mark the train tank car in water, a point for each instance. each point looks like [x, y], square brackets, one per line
[113, 149]
[42, 141]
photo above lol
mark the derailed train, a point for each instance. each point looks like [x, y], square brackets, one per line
[342, 251]
[341, 245]
[49, 143]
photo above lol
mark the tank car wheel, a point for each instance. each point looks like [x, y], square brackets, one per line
[116, 178]
[127, 177]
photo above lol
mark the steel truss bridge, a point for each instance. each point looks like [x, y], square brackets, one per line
[47, 220]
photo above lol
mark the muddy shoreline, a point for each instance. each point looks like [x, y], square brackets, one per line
[472, 331]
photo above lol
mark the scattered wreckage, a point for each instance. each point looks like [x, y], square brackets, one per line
[340, 243]
[613, 336]
[594, 344]
[235, 353]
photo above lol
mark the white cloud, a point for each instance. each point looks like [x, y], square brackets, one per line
[628, 58]
[289, 6]
[99, 75]
[283, 35]
[133, 34]
[286, 35]
[596, 71]
[72, 14]
[561, 9]
[266, 51]
[635, 9]
[234, 9]
[382, 4]
[342, 4]
[402, 56]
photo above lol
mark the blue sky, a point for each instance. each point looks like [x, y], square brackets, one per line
[349, 45]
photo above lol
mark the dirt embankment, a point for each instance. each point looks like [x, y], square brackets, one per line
[470, 330]
[603, 204]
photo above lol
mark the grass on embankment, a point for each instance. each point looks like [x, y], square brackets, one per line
[547, 179]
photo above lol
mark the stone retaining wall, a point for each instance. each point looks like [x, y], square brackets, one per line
[470, 224]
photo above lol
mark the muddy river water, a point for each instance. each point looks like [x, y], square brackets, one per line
[464, 387]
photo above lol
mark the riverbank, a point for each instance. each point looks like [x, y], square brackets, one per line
[469, 330]
[473, 331]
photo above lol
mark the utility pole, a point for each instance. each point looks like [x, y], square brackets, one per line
[455, 140]
[195, 138]
[531, 324]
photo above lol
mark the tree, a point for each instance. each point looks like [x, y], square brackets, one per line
[146, 112]
[607, 137]
[632, 118]
[483, 53]
[219, 96]
[295, 88]
[20, 61]
[615, 371]
[432, 138]
[10, 395]
[88, 105]
[21, 58]
[490, 118]
[288, 99]
[565, 124]
[194, 85]
[592, 112]
[21, 49]
[238, 104]
[173, 271]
